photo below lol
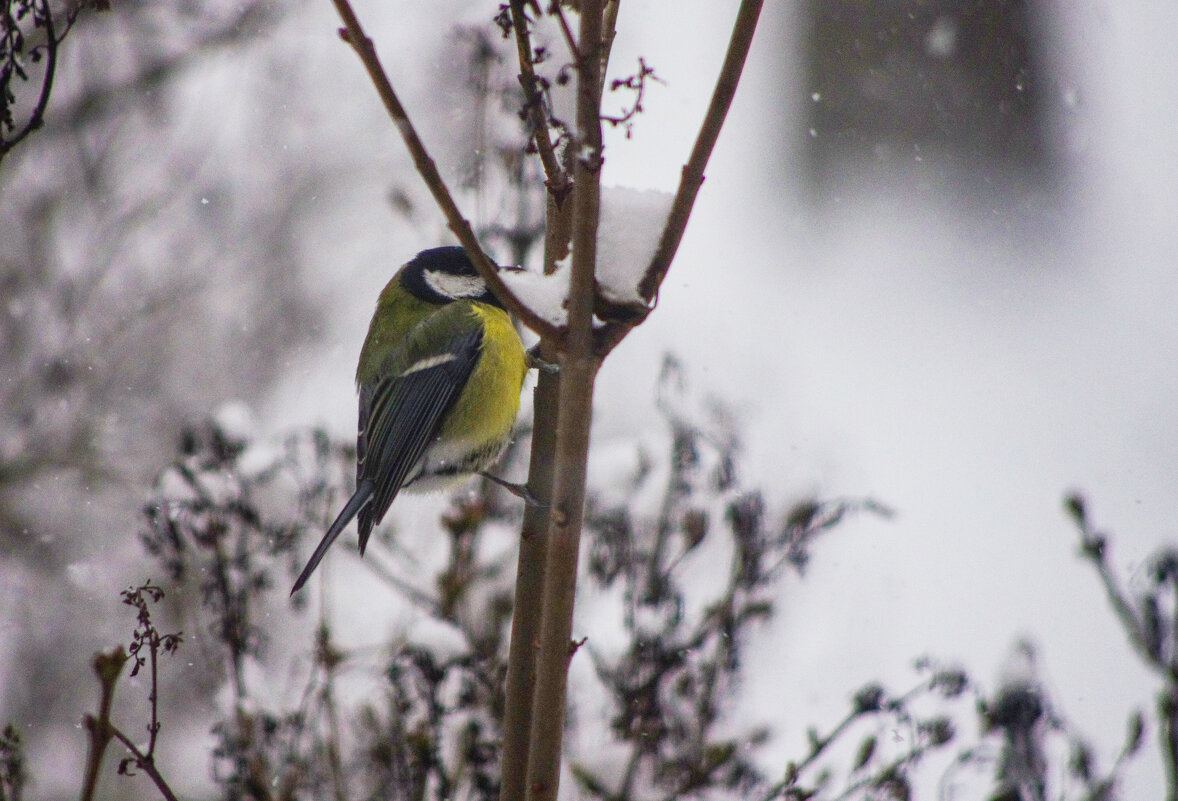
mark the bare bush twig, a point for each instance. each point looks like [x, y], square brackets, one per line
[16, 53]
[1150, 621]
[108, 667]
[636, 84]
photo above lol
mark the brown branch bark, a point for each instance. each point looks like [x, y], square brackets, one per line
[692, 176]
[579, 364]
[529, 592]
[354, 35]
[557, 10]
[533, 555]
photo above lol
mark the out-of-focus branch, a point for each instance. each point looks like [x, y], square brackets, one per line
[1145, 625]
[873, 702]
[354, 35]
[1093, 547]
[692, 176]
[327, 658]
[108, 667]
[152, 70]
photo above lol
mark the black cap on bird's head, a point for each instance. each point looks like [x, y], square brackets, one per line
[445, 274]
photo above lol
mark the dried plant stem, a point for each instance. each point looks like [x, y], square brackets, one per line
[354, 35]
[108, 667]
[328, 659]
[1093, 547]
[145, 763]
[153, 696]
[1122, 606]
[1134, 626]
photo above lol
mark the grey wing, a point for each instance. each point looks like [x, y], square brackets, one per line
[403, 416]
[364, 520]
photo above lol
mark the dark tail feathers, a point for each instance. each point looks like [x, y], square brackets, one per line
[358, 501]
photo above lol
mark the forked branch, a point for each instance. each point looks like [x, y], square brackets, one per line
[692, 176]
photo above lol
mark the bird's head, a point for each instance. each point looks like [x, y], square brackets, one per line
[445, 274]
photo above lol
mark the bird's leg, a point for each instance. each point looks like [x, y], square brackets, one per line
[534, 361]
[518, 490]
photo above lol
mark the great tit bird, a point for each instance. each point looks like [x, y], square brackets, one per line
[439, 378]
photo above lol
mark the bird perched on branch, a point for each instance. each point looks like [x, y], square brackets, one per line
[439, 378]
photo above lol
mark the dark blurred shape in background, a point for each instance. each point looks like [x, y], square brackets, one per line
[953, 85]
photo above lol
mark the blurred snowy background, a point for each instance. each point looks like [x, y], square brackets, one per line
[931, 265]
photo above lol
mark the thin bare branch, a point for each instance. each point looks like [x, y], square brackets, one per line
[154, 728]
[37, 116]
[146, 764]
[354, 35]
[693, 172]
[558, 179]
[692, 177]
[569, 40]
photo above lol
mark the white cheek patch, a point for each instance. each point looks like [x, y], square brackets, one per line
[455, 286]
[432, 361]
